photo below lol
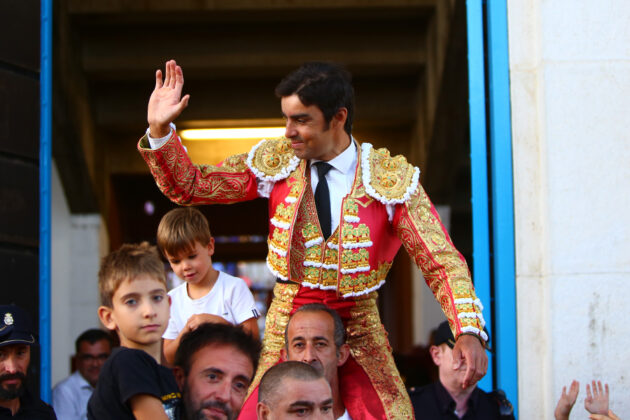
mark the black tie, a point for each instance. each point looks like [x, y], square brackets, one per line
[322, 198]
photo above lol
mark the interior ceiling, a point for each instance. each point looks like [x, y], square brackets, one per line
[233, 53]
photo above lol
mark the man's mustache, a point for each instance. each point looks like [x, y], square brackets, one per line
[214, 404]
[10, 376]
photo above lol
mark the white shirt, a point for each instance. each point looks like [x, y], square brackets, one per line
[340, 178]
[229, 298]
[345, 416]
[70, 397]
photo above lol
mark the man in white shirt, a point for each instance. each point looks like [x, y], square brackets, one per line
[70, 396]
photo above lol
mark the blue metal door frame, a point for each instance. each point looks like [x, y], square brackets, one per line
[490, 129]
[45, 158]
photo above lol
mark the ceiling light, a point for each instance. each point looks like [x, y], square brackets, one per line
[232, 133]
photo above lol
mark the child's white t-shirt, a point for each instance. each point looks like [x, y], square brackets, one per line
[229, 298]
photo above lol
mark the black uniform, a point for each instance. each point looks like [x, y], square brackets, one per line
[433, 402]
[31, 408]
[128, 373]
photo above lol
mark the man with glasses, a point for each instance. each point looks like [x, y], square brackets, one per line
[70, 396]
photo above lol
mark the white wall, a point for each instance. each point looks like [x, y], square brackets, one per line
[570, 87]
[77, 244]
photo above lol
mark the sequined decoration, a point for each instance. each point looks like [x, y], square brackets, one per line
[370, 348]
[275, 325]
[443, 267]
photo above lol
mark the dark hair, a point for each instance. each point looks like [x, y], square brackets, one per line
[91, 336]
[210, 333]
[339, 332]
[326, 85]
[272, 379]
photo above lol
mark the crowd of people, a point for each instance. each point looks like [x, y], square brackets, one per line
[339, 212]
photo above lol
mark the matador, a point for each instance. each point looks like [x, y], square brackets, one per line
[338, 253]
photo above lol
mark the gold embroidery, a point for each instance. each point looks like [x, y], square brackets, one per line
[278, 264]
[275, 324]
[284, 214]
[358, 284]
[314, 254]
[280, 239]
[444, 269]
[351, 209]
[329, 279]
[185, 183]
[311, 275]
[370, 348]
[390, 176]
[310, 232]
[272, 157]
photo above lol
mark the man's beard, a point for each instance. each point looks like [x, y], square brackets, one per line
[196, 413]
[199, 414]
[13, 391]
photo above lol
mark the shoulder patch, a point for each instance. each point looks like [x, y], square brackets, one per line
[272, 160]
[390, 180]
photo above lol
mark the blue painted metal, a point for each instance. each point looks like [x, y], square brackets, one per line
[502, 200]
[45, 136]
[479, 165]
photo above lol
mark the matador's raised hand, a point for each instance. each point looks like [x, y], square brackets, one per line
[166, 102]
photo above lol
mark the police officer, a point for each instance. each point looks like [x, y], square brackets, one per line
[16, 339]
[446, 399]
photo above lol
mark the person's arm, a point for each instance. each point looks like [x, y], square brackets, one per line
[446, 273]
[177, 177]
[566, 401]
[610, 416]
[147, 407]
[243, 308]
[170, 346]
[251, 326]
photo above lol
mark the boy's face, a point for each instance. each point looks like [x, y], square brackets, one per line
[140, 311]
[192, 266]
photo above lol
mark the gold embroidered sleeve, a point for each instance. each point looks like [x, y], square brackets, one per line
[185, 183]
[444, 269]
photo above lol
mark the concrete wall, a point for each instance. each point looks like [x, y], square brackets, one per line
[570, 87]
[76, 248]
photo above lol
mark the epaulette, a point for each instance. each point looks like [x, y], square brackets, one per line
[272, 160]
[390, 180]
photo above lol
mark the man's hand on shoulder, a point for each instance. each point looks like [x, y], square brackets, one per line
[166, 103]
[468, 350]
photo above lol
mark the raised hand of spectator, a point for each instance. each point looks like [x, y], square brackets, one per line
[610, 416]
[566, 401]
[597, 401]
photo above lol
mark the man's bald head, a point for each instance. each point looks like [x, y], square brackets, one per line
[292, 387]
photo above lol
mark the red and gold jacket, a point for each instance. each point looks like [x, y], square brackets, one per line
[357, 256]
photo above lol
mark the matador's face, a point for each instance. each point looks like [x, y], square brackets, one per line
[311, 136]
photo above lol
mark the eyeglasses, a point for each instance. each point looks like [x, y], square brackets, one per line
[91, 358]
